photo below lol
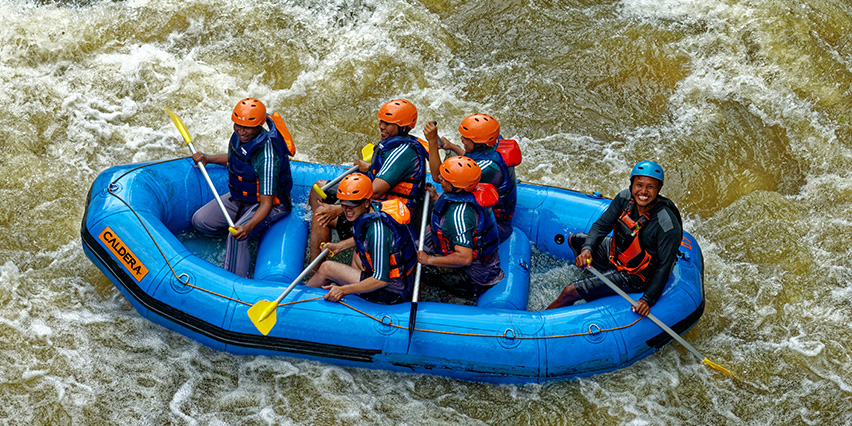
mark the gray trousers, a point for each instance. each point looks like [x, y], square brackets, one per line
[210, 220]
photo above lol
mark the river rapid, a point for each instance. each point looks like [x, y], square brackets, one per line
[745, 103]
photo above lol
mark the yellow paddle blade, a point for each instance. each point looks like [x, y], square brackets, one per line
[320, 192]
[180, 126]
[718, 367]
[367, 152]
[263, 315]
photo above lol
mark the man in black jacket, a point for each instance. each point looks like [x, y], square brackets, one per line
[639, 257]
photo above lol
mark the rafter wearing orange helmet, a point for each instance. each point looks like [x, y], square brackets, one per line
[259, 182]
[398, 170]
[399, 163]
[464, 231]
[480, 135]
[382, 269]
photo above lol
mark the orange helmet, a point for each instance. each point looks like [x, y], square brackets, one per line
[399, 112]
[354, 188]
[249, 112]
[461, 172]
[480, 128]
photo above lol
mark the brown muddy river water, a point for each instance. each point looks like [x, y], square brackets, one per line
[745, 103]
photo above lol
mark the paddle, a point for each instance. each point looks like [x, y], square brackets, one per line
[185, 133]
[416, 296]
[366, 154]
[657, 321]
[262, 313]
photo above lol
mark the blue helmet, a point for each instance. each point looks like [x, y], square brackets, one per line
[648, 168]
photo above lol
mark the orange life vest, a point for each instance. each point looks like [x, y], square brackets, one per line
[626, 252]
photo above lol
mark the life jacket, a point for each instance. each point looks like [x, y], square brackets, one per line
[486, 238]
[242, 178]
[510, 151]
[626, 252]
[403, 259]
[507, 188]
[410, 190]
[282, 129]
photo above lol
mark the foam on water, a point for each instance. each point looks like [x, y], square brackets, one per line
[737, 70]
[745, 104]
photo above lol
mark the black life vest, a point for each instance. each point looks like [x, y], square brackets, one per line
[626, 252]
[486, 238]
[410, 190]
[403, 258]
[507, 188]
[242, 178]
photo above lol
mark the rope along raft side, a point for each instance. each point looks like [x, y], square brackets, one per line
[147, 209]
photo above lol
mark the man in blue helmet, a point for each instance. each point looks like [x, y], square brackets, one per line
[639, 257]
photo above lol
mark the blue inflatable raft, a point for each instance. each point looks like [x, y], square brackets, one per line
[135, 213]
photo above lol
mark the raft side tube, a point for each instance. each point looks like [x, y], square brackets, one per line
[513, 292]
[281, 252]
[111, 230]
[473, 332]
[587, 348]
[305, 174]
[545, 216]
[306, 316]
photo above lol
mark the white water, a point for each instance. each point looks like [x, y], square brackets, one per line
[745, 103]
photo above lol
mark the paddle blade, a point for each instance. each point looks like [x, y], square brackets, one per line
[263, 315]
[367, 152]
[411, 320]
[717, 366]
[180, 126]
